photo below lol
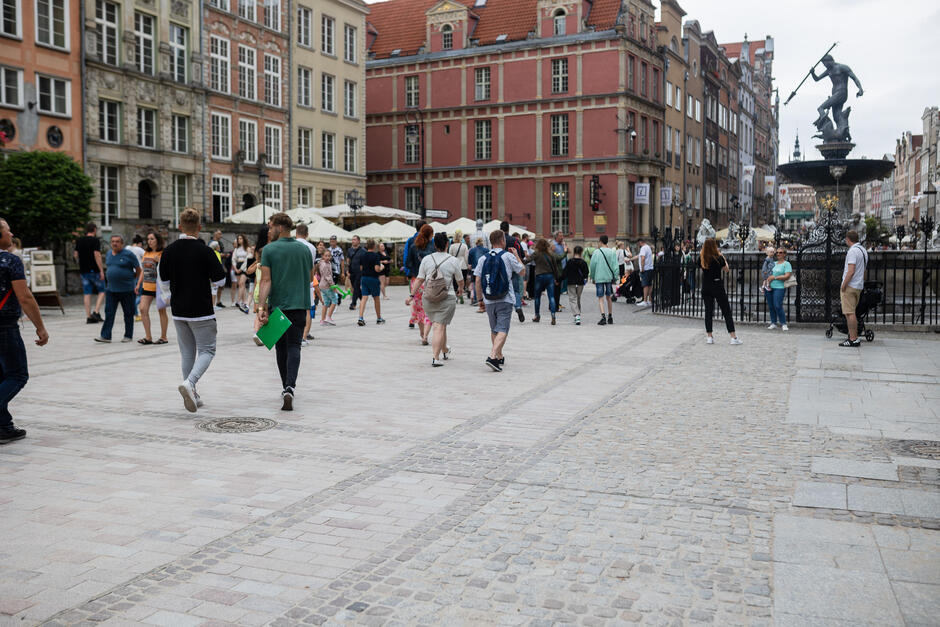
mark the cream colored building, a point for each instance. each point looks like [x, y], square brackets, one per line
[327, 143]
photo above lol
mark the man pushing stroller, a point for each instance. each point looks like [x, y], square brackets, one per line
[853, 281]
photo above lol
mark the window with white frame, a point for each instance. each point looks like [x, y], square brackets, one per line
[560, 206]
[146, 127]
[180, 130]
[272, 145]
[678, 98]
[180, 194]
[689, 149]
[328, 151]
[668, 94]
[221, 197]
[272, 80]
[219, 73]
[304, 194]
[304, 27]
[328, 93]
[350, 44]
[247, 9]
[698, 152]
[412, 198]
[481, 77]
[109, 121]
[349, 99]
[179, 40]
[559, 76]
[559, 22]
[689, 106]
[559, 124]
[698, 110]
[412, 93]
[11, 18]
[350, 154]
[304, 87]
[411, 149]
[328, 35]
[108, 194]
[483, 136]
[304, 147]
[248, 139]
[678, 146]
[52, 23]
[220, 4]
[106, 27]
[11, 87]
[272, 194]
[143, 42]
[483, 202]
[272, 14]
[220, 135]
[247, 72]
[447, 37]
[54, 95]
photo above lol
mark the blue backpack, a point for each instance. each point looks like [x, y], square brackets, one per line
[494, 277]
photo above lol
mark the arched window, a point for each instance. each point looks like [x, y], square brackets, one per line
[559, 22]
[447, 37]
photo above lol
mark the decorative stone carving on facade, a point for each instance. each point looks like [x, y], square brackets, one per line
[110, 80]
[146, 91]
[179, 9]
[219, 27]
[446, 12]
[181, 97]
[149, 172]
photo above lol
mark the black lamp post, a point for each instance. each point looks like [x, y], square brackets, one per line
[263, 182]
[414, 118]
[925, 225]
[355, 202]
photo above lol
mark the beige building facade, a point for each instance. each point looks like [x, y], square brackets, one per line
[328, 52]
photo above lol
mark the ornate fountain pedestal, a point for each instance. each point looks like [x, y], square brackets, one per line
[820, 175]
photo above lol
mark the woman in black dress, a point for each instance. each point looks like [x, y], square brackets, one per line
[713, 263]
[386, 267]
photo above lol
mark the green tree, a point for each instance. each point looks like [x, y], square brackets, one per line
[46, 197]
[875, 231]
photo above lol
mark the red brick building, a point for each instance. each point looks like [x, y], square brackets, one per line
[516, 105]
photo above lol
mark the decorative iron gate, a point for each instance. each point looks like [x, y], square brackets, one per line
[818, 267]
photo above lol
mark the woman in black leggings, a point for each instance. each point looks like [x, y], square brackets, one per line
[713, 264]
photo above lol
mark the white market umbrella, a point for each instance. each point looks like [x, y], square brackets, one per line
[493, 225]
[438, 227]
[396, 231]
[373, 230]
[324, 229]
[465, 225]
[253, 215]
[339, 212]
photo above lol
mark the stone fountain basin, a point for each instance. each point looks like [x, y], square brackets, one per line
[816, 173]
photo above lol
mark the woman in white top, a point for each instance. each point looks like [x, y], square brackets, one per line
[240, 271]
[435, 267]
[460, 251]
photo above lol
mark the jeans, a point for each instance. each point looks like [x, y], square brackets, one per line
[288, 348]
[710, 295]
[574, 299]
[517, 288]
[13, 372]
[196, 340]
[545, 282]
[126, 300]
[778, 314]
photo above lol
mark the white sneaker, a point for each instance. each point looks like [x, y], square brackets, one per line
[709, 340]
[784, 328]
[642, 304]
[772, 327]
[304, 342]
[257, 340]
[189, 396]
[736, 341]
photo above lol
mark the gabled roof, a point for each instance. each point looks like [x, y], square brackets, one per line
[402, 24]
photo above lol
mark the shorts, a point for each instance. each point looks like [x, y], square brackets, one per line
[369, 286]
[604, 289]
[500, 315]
[329, 296]
[646, 278]
[148, 293]
[850, 300]
[92, 283]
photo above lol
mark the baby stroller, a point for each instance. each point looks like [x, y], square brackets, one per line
[630, 289]
[872, 295]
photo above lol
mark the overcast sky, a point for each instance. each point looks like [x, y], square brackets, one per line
[887, 44]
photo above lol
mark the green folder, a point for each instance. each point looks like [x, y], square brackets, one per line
[272, 331]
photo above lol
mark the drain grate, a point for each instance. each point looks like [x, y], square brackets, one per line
[926, 449]
[236, 425]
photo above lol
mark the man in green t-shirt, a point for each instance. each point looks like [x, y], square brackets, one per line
[286, 274]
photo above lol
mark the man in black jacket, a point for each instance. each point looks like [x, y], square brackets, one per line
[190, 267]
[354, 255]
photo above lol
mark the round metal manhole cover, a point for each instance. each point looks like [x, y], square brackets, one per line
[927, 449]
[236, 425]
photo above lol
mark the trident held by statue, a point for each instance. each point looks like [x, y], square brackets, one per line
[808, 74]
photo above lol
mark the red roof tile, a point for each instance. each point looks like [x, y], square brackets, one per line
[402, 24]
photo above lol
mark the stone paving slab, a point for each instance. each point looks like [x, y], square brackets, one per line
[601, 479]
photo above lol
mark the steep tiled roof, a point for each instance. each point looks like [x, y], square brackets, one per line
[401, 24]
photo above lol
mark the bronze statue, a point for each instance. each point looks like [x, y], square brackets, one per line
[837, 128]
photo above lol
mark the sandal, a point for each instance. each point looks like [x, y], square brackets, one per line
[162, 341]
[144, 341]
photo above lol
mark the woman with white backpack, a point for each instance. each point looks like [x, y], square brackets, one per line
[436, 274]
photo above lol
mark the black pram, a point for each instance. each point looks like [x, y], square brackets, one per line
[872, 295]
[631, 289]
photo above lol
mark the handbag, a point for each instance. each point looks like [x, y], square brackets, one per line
[791, 282]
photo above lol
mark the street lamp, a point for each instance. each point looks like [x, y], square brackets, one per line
[263, 182]
[414, 118]
[355, 202]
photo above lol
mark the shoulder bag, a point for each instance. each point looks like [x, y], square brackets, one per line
[791, 282]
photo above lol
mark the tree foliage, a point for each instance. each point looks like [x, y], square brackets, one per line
[875, 231]
[45, 196]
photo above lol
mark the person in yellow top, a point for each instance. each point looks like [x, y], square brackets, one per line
[147, 288]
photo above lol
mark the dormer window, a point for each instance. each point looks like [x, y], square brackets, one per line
[447, 37]
[559, 22]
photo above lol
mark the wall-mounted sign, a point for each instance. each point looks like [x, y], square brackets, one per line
[641, 194]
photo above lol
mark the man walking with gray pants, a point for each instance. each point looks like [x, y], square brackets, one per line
[190, 267]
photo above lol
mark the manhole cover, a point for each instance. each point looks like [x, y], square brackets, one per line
[236, 425]
[927, 449]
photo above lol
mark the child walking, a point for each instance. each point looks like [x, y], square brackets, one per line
[576, 274]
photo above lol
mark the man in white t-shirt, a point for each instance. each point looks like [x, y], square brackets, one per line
[853, 280]
[499, 311]
[302, 235]
[646, 273]
[460, 251]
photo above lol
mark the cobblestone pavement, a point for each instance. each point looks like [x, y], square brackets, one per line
[610, 475]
